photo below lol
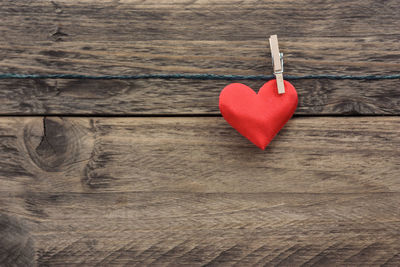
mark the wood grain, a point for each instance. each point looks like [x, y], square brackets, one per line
[219, 37]
[186, 97]
[176, 191]
[189, 190]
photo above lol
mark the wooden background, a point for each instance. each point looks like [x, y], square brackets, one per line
[146, 172]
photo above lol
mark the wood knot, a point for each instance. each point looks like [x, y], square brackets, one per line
[53, 144]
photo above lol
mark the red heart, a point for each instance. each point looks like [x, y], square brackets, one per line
[258, 117]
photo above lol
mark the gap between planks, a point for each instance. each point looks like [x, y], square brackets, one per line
[105, 115]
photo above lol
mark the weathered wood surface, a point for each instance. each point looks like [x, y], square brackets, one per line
[191, 191]
[160, 97]
[219, 37]
[159, 191]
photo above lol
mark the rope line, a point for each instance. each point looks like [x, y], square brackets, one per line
[194, 77]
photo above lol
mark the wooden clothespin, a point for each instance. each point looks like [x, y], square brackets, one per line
[277, 63]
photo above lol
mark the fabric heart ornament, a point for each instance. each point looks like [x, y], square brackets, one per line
[258, 116]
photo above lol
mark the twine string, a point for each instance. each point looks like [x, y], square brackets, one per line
[195, 76]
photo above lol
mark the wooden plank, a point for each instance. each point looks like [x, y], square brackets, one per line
[228, 37]
[202, 154]
[152, 191]
[152, 229]
[160, 97]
